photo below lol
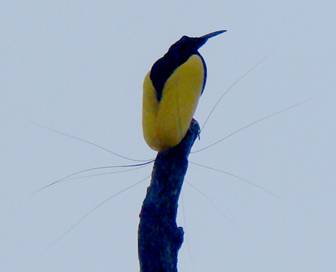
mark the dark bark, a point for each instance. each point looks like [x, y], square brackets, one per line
[159, 238]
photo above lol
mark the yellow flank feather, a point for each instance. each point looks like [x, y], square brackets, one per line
[166, 122]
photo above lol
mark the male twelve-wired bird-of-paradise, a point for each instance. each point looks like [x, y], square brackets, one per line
[171, 91]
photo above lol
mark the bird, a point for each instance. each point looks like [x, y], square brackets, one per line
[171, 91]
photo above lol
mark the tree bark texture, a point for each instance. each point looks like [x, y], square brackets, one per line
[159, 238]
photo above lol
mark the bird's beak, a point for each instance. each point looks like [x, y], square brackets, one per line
[212, 34]
[199, 41]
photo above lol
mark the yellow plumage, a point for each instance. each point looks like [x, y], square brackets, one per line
[166, 122]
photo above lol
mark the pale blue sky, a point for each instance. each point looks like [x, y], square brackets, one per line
[78, 66]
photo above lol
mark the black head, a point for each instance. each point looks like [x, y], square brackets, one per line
[177, 54]
[186, 46]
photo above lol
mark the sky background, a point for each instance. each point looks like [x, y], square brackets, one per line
[78, 66]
